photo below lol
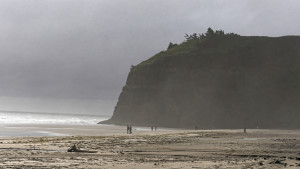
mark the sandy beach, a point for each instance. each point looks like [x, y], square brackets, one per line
[165, 148]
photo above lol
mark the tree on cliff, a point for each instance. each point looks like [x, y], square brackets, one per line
[171, 45]
[210, 33]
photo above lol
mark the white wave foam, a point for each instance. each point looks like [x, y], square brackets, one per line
[48, 118]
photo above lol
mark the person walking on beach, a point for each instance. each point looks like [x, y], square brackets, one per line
[245, 130]
[130, 129]
[151, 128]
[127, 129]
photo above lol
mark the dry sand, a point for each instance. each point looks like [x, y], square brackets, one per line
[150, 149]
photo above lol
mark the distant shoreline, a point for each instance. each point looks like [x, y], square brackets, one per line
[41, 130]
[90, 114]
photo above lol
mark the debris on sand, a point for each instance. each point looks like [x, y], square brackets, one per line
[278, 162]
[75, 149]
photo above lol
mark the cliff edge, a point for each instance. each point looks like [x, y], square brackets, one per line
[215, 81]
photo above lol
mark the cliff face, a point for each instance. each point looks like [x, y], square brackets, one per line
[221, 82]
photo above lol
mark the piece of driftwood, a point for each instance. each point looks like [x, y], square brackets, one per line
[75, 149]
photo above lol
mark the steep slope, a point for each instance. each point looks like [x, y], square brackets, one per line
[224, 81]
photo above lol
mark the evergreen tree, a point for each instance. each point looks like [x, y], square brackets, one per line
[171, 45]
[209, 32]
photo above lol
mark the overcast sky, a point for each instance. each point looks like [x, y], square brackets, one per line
[83, 49]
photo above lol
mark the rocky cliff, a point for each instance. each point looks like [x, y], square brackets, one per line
[221, 81]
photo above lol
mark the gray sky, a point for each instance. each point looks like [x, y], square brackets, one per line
[82, 49]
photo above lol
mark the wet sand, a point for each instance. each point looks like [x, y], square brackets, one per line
[149, 149]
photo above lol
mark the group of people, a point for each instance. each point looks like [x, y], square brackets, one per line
[153, 127]
[129, 129]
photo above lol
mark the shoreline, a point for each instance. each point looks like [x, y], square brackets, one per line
[113, 148]
[33, 130]
[105, 130]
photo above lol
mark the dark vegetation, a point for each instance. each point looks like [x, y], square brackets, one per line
[216, 80]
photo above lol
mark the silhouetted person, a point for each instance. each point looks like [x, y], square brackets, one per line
[155, 128]
[151, 128]
[245, 130]
[130, 129]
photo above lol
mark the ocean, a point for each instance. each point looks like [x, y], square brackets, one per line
[9, 119]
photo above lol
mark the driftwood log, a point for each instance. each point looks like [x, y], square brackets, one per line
[75, 149]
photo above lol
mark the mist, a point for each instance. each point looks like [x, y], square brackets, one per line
[74, 56]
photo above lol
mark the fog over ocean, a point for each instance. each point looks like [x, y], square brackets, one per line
[66, 56]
